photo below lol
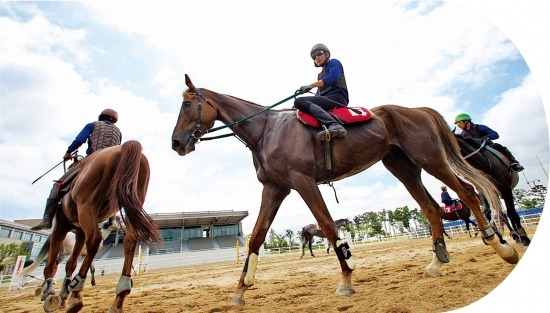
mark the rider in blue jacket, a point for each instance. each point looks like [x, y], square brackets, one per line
[100, 134]
[479, 131]
[332, 92]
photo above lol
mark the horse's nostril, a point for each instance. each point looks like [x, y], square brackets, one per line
[175, 144]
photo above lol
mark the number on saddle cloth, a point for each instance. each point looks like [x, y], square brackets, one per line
[344, 115]
[457, 206]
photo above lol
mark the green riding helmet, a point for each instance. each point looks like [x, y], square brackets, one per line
[462, 117]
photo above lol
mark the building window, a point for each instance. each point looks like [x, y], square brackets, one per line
[27, 237]
[37, 238]
[225, 230]
[17, 234]
[5, 233]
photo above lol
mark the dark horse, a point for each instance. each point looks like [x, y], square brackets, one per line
[109, 179]
[287, 156]
[311, 230]
[462, 214]
[503, 177]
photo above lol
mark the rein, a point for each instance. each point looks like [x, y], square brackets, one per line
[198, 132]
[477, 150]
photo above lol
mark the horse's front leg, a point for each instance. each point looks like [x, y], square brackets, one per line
[272, 197]
[311, 194]
[124, 286]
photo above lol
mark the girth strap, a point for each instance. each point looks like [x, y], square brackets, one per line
[328, 165]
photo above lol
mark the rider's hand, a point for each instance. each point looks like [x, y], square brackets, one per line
[67, 156]
[305, 89]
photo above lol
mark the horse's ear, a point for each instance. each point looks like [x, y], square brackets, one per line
[189, 83]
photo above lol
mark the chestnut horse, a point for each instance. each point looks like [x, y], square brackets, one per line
[109, 179]
[311, 230]
[504, 178]
[287, 155]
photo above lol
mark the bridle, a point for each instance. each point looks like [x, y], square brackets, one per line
[197, 133]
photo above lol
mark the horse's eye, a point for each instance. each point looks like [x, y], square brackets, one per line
[186, 103]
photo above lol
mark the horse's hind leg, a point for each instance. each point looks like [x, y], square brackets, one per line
[92, 272]
[124, 285]
[410, 175]
[515, 219]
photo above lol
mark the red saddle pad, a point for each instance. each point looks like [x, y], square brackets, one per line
[449, 209]
[345, 115]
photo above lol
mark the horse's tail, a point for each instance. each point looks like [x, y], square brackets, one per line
[480, 180]
[42, 255]
[124, 193]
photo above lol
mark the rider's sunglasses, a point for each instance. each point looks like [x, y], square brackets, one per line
[317, 53]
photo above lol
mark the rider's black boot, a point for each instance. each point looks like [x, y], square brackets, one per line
[515, 164]
[49, 212]
[334, 128]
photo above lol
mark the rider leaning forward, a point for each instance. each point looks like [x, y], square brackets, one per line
[479, 131]
[100, 134]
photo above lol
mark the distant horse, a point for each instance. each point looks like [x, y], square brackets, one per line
[311, 230]
[462, 214]
[109, 179]
[504, 178]
[287, 155]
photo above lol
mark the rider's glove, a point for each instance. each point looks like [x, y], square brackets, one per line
[305, 89]
[67, 156]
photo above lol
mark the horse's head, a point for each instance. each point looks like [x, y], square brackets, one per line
[346, 225]
[194, 119]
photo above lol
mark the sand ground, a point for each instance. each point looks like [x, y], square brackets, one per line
[388, 278]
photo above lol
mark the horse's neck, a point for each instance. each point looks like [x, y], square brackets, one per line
[231, 110]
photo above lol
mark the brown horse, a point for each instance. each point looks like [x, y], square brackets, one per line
[463, 214]
[109, 179]
[287, 156]
[505, 179]
[311, 230]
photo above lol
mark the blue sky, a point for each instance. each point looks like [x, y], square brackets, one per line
[61, 63]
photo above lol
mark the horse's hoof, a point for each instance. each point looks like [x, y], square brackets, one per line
[344, 291]
[236, 301]
[38, 291]
[513, 258]
[52, 303]
[75, 308]
[429, 272]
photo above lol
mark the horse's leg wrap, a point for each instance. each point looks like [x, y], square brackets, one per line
[124, 284]
[344, 253]
[77, 284]
[48, 289]
[487, 232]
[441, 251]
[250, 267]
[64, 292]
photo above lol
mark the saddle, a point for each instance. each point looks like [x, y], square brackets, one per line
[449, 208]
[345, 115]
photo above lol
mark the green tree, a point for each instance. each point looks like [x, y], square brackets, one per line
[10, 252]
[290, 235]
[402, 216]
[374, 224]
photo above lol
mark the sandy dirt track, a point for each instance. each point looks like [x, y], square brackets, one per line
[388, 278]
